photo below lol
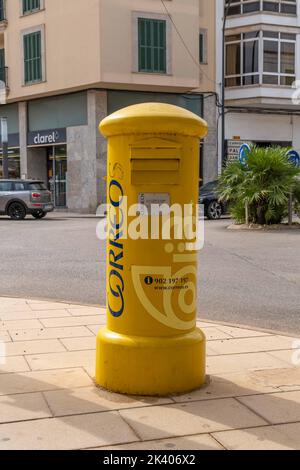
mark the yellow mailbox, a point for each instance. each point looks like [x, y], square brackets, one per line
[151, 345]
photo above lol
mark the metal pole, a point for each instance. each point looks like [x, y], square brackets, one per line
[291, 209]
[4, 141]
[223, 138]
[247, 213]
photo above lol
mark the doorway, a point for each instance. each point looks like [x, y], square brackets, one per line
[57, 174]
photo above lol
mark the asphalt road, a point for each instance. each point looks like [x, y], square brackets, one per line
[248, 278]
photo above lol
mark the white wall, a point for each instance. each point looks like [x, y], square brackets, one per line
[263, 127]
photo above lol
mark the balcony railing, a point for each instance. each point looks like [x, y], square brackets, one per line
[4, 76]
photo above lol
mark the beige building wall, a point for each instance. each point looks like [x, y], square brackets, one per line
[119, 44]
[72, 45]
[207, 22]
[93, 43]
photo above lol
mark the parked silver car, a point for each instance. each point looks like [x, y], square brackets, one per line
[21, 197]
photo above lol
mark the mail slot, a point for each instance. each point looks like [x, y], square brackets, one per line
[151, 345]
[157, 171]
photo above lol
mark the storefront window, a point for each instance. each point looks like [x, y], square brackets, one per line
[13, 164]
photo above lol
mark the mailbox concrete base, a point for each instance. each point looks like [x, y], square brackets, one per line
[150, 366]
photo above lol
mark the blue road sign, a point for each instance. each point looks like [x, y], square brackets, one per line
[244, 150]
[294, 158]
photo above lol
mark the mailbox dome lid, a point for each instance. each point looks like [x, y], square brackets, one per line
[153, 118]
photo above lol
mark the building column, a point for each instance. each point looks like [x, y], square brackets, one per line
[87, 157]
[23, 126]
[97, 111]
[210, 166]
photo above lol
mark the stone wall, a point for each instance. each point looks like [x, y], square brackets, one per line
[87, 155]
[210, 164]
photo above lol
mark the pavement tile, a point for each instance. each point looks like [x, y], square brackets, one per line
[200, 442]
[34, 347]
[79, 344]
[213, 333]
[73, 321]
[226, 387]
[247, 345]
[12, 365]
[202, 324]
[86, 311]
[277, 408]
[23, 407]
[210, 351]
[50, 333]
[12, 301]
[283, 379]
[69, 433]
[4, 337]
[94, 400]
[288, 357]
[284, 437]
[30, 315]
[95, 328]
[48, 306]
[62, 360]
[192, 418]
[242, 332]
[19, 324]
[241, 362]
[28, 382]
[13, 308]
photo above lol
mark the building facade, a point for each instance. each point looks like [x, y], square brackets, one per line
[65, 65]
[262, 69]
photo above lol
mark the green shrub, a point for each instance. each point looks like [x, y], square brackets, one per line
[264, 183]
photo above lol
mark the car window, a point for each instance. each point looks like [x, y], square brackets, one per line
[20, 187]
[5, 186]
[210, 186]
[37, 187]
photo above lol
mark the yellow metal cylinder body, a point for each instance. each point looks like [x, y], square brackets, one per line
[151, 345]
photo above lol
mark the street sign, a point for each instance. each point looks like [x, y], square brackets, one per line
[233, 149]
[243, 155]
[294, 158]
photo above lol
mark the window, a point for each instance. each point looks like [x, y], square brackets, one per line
[241, 7]
[203, 47]
[32, 44]
[31, 6]
[261, 57]
[2, 66]
[20, 187]
[5, 186]
[2, 10]
[37, 187]
[152, 45]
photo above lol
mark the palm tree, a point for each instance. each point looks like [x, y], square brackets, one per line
[263, 185]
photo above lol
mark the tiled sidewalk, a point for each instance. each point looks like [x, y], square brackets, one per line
[48, 399]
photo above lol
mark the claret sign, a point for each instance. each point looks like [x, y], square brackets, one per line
[48, 137]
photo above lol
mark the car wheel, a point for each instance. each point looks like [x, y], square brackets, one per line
[39, 215]
[214, 210]
[16, 211]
